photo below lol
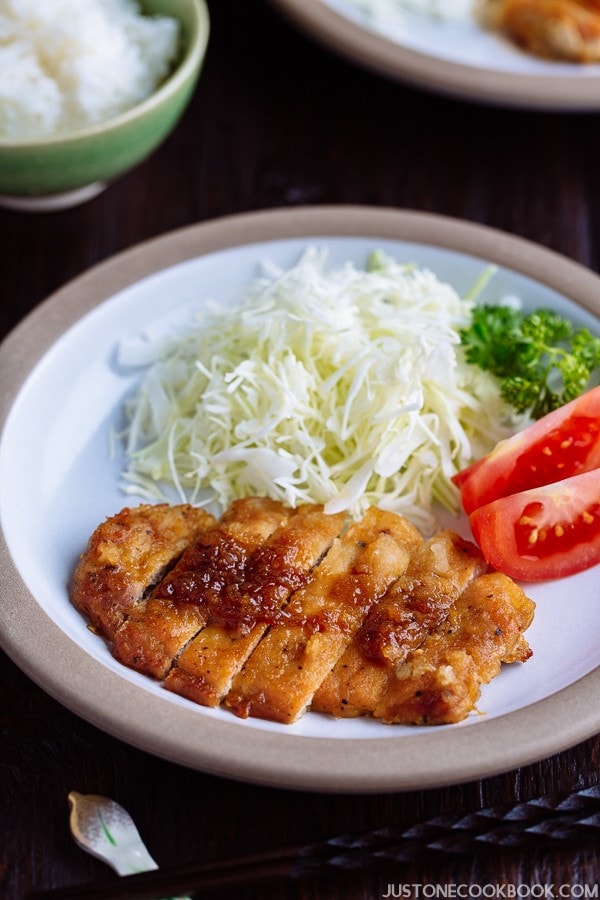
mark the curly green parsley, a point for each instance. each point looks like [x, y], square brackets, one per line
[540, 358]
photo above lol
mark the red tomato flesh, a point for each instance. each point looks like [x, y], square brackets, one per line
[566, 442]
[548, 532]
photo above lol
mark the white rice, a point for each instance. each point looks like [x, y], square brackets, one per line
[66, 64]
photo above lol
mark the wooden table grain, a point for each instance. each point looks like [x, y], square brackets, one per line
[277, 121]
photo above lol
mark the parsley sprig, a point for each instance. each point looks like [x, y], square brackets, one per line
[540, 358]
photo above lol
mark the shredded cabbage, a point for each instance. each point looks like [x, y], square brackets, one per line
[339, 386]
[385, 10]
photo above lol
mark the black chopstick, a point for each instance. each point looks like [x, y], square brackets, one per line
[563, 817]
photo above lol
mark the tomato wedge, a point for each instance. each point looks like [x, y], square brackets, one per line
[548, 532]
[566, 442]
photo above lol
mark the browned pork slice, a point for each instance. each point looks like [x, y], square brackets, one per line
[127, 554]
[555, 29]
[181, 604]
[287, 667]
[206, 667]
[440, 682]
[438, 571]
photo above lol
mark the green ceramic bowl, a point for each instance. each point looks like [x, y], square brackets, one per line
[55, 172]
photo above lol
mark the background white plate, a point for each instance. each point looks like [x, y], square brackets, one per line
[452, 57]
[53, 492]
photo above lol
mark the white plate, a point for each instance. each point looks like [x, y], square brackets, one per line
[452, 57]
[60, 381]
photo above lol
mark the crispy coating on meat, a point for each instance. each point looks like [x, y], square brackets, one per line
[282, 675]
[127, 554]
[556, 29]
[416, 603]
[273, 611]
[207, 666]
[440, 682]
[180, 606]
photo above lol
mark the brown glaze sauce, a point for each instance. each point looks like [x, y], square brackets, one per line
[240, 590]
[415, 605]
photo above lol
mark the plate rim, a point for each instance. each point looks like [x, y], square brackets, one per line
[386, 57]
[335, 765]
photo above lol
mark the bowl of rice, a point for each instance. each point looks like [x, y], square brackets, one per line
[89, 90]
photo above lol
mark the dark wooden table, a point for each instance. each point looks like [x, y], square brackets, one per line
[277, 121]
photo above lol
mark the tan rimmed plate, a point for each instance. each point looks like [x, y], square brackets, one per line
[60, 379]
[457, 58]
